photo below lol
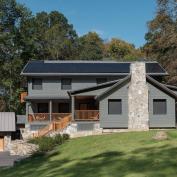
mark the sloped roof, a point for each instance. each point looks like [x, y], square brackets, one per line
[160, 86]
[118, 84]
[46, 97]
[171, 87]
[99, 86]
[52, 68]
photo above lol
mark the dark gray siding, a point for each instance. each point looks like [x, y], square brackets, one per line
[161, 121]
[114, 121]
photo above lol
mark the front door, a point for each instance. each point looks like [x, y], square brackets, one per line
[1, 143]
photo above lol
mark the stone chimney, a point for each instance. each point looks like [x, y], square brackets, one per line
[138, 98]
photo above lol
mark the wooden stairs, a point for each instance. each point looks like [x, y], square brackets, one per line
[57, 125]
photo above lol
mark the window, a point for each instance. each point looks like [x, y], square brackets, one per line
[114, 106]
[101, 80]
[159, 106]
[43, 107]
[66, 84]
[37, 84]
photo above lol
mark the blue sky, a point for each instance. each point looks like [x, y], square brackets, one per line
[124, 19]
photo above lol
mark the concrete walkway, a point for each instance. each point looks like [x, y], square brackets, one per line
[6, 160]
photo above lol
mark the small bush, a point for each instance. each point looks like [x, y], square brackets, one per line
[58, 139]
[46, 144]
[66, 136]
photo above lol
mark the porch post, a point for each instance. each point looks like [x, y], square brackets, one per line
[27, 110]
[73, 107]
[50, 110]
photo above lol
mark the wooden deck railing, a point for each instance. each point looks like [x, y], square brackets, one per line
[46, 116]
[58, 116]
[87, 115]
[54, 126]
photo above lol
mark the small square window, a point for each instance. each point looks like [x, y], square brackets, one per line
[66, 84]
[159, 106]
[114, 106]
[36, 84]
[101, 80]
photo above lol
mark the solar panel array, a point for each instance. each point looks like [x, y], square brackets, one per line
[79, 67]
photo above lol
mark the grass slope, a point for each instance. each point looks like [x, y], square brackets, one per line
[121, 154]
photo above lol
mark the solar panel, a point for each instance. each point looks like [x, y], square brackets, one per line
[87, 67]
[154, 68]
[41, 67]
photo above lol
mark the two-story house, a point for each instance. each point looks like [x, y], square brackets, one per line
[112, 94]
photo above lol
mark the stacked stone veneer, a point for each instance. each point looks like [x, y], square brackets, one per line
[138, 98]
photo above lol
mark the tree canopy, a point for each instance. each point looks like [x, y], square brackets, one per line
[162, 37]
[49, 36]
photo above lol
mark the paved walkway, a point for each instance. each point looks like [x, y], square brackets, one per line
[6, 160]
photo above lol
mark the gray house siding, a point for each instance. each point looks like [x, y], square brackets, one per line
[161, 121]
[114, 121]
[52, 85]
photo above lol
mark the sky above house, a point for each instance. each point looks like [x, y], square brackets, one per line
[123, 19]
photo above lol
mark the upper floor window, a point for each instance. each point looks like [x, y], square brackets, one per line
[159, 106]
[66, 84]
[36, 84]
[114, 106]
[101, 80]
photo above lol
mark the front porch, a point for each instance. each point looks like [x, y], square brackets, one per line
[81, 108]
[85, 108]
[47, 110]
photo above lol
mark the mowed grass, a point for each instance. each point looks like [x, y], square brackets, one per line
[121, 154]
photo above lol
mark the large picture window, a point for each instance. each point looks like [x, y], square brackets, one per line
[114, 106]
[159, 106]
[36, 84]
[66, 84]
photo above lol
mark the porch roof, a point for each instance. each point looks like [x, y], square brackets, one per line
[118, 84]
[161, 86]
[46, 97]
[99, 86]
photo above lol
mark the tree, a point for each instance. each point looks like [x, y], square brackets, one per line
[11, 49]
[162, 37]
[91, 47]
[121, 50]
[54, 37]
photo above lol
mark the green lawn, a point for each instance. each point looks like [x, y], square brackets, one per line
[121, 154]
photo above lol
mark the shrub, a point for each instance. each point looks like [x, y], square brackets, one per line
[66, 136]
[46, 144]
[58, 139]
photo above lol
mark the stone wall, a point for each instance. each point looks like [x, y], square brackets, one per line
[21, 148]
[138, 98]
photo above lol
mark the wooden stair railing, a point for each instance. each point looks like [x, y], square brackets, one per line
[53, 126]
